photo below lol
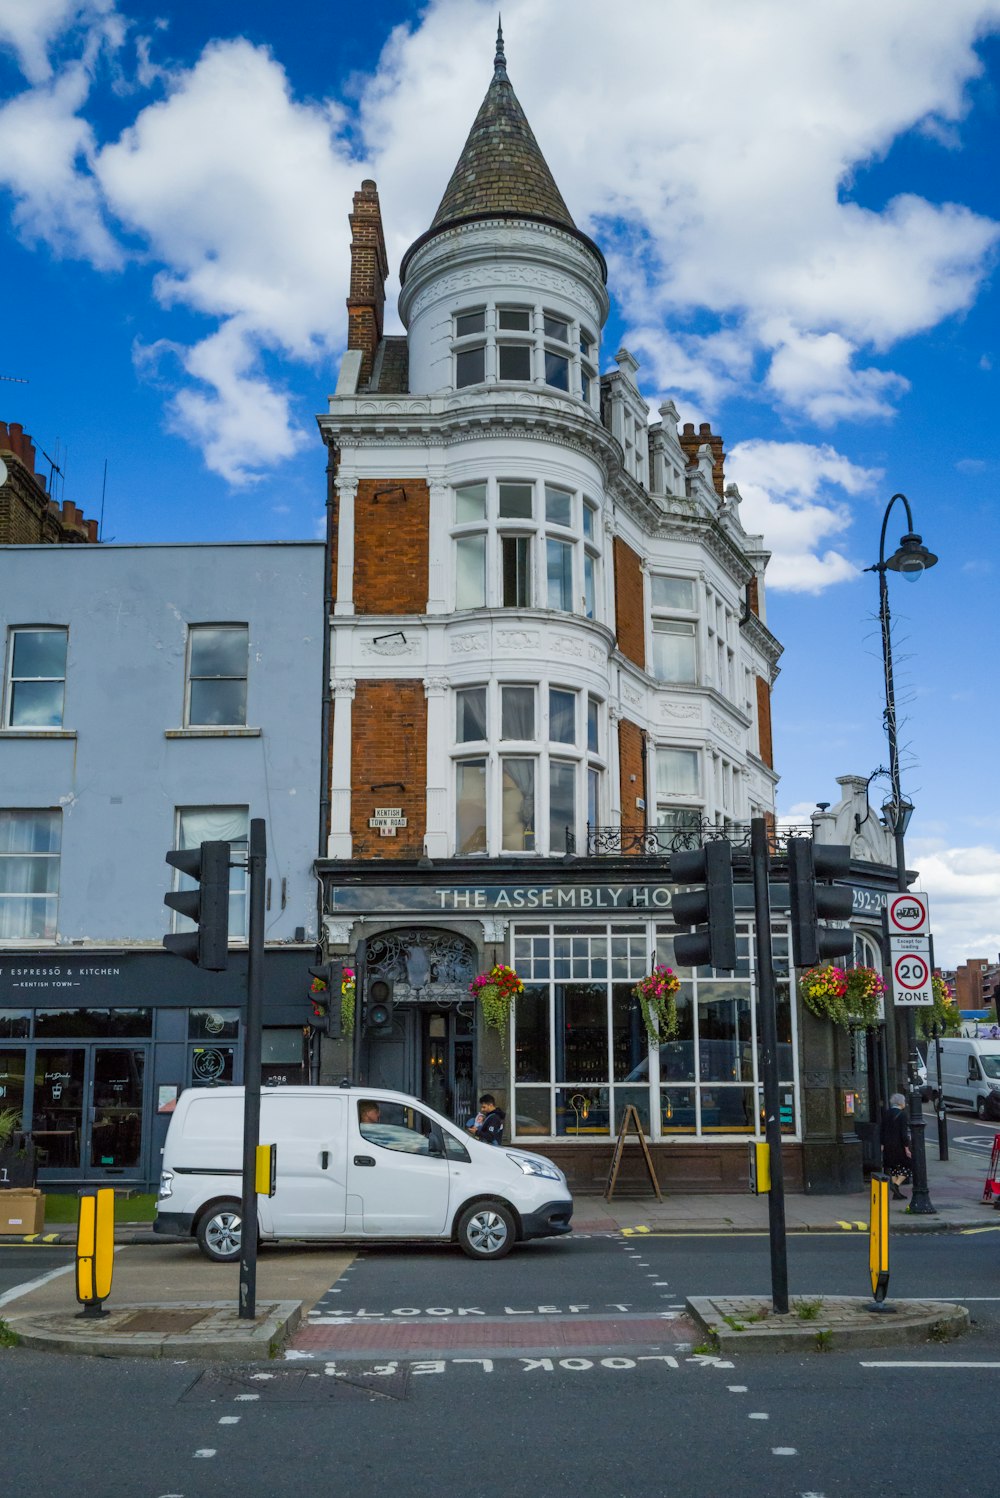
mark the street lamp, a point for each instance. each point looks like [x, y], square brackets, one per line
[911, 558]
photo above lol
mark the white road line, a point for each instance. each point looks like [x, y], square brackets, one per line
[206, 1451]
[737, 1388]
[230, 1419]
[783, 1451]
[887, 1363]
[42, 1279]
[245, 1398]
[758, 1416]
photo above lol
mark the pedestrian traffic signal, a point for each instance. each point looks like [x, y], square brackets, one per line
[207, 906]
[324, 995]
[378, 1012]
[812, 902]
[711, 907]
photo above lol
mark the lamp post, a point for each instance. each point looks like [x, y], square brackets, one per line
[911, 558]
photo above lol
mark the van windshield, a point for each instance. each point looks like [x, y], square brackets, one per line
[991, 1066]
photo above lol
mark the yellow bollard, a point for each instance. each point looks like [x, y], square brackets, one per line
[95, 1249]
[878, 1244]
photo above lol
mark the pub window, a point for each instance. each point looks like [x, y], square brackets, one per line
[30, 844]
[36, 678]
[217, 675]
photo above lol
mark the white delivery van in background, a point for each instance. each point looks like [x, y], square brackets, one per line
[970, 1074]
[352, 1163]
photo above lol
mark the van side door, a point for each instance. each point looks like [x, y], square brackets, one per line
[396, 1165]
[309, 1130]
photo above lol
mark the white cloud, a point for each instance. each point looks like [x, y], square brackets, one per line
[241, 193]
[789, 492]
[964, 889]
[717, 176]
[30, 28]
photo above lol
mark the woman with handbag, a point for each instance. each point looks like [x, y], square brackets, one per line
[894, 1132]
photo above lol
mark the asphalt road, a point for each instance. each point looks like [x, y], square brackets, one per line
[660, 1419]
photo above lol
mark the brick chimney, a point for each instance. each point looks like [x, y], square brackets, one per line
[690, 441]
[369, 269]
[28, 515]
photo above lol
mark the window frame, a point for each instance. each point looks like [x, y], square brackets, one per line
[29, 895]
[485, 758]
[11, 680]
[239, 886]
[540, 335]
[673, 620]
[191, 678]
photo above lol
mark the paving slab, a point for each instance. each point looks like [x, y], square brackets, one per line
[749, 1323]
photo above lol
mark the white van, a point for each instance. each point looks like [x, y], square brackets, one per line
[970, 1074]
[352, 1163]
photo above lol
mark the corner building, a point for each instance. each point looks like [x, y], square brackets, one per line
[549, 664]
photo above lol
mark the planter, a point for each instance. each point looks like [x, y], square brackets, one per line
[17, 1168]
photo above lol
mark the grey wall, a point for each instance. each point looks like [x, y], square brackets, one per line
[118, 777]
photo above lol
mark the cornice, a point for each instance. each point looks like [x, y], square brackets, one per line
[761, 638]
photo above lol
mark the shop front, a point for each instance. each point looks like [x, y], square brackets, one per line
[95, 1049]
[580, 936]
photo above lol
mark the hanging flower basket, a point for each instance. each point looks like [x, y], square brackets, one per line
[824, 991]
[348, 988]
[865, 987]
[496, 992]
[658, 1003]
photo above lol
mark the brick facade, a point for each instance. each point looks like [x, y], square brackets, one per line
[391, 557]
[389, 749]
[632, 777]
[630, 622]
[27, 515]
[765, 747]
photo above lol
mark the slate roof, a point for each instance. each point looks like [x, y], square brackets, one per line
[501, 169]
[391, 370]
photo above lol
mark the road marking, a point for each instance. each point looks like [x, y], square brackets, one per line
[206, 1451]
[230, 1419]
[42, 1279]
[737, 1388]
[245, 1398]
[758, 1416]
[928, 1364]
[968, 1232]
[783, 1451]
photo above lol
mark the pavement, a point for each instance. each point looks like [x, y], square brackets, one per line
[167, 1303]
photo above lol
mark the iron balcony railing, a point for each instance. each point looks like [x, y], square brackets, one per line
[654, 842]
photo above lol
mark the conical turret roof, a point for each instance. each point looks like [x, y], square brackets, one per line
[501, 168]
[501, 171]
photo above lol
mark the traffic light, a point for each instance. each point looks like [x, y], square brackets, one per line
[812, 902]
[378, 1011]
[207, 906]
[711, 907]
[325, 995]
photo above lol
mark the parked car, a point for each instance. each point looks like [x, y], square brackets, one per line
[352, 1163]
[970, 1074]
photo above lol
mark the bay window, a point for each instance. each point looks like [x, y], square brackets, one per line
[522, 545]
[527, 765]
[674, 629]
[524, 345]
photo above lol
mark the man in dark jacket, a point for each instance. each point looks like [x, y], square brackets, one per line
[490, 1120]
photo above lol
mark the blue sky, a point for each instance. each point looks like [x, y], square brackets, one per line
[799, 207]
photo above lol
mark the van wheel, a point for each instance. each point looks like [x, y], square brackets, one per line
[220, 1232]
[487, 1231]
[980, 1107]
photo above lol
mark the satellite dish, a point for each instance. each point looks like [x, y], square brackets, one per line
[3, 473]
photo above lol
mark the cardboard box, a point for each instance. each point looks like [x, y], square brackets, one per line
[22, 1211]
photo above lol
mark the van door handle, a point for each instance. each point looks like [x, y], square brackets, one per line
[324, 1159]
[363, 1160]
